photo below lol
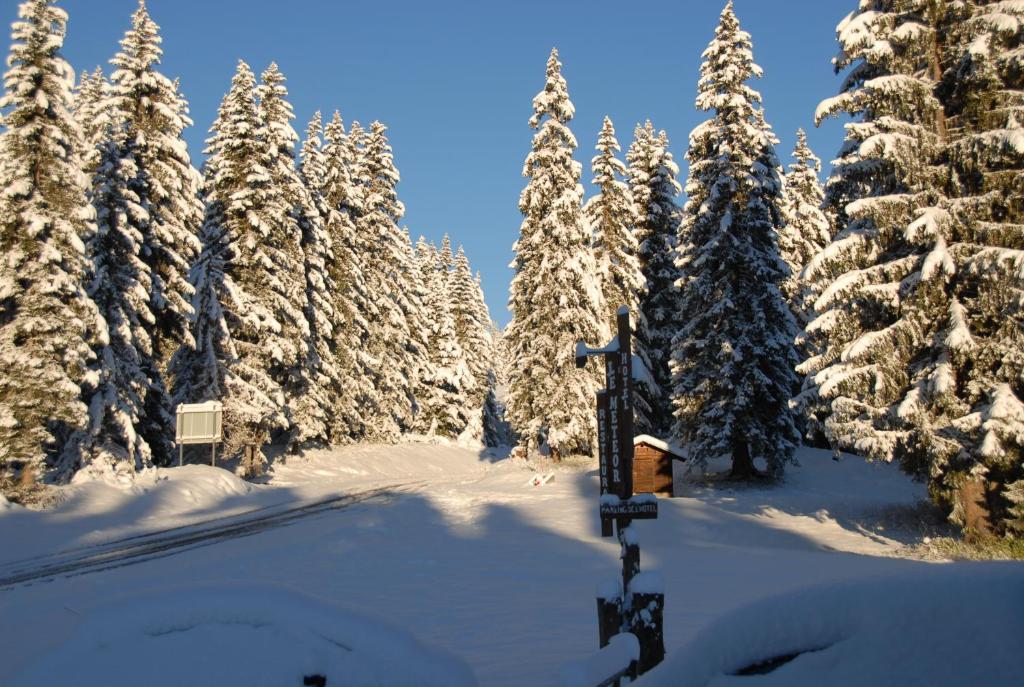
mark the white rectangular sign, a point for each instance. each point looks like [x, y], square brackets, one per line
[199, 423]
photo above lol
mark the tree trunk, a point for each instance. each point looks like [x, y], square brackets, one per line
[742, 463]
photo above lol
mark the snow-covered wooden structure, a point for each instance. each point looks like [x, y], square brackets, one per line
[652, 465]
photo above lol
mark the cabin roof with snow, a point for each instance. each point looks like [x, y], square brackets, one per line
[671, 449]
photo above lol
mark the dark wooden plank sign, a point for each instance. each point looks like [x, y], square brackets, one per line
[630, 509]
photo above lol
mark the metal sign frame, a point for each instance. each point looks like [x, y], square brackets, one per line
[199, 423]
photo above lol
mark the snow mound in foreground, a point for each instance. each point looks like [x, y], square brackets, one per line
[252, 636]
[946, 626]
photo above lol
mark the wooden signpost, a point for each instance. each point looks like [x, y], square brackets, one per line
[638, 612]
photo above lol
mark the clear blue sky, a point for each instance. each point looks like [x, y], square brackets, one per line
[453, 79]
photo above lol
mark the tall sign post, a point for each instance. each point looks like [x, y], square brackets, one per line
[637, 609]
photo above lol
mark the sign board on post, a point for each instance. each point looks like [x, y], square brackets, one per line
[618, 504]
[199, 423]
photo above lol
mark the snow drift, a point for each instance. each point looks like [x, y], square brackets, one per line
[253, 636]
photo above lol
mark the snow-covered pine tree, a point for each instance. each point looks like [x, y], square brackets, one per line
[419, 324]
[383, 251]
[654, 188]
[495, 429]
[121, 286]
[806, 229]
[237, 331]
[472, 328]
[555, 296]
[323, 376]
[432, 283]
[983, 93]
[611, 215]
[50, 329]
[444, 408]
[350, 299]
[280, 211]
[732, 362]
[920, 335]
[491, 411]
[445, 261]
[92, 115]
[155, 116]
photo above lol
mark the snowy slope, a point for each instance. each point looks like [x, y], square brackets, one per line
[470, 557]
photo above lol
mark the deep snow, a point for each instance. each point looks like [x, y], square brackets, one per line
[471, 558]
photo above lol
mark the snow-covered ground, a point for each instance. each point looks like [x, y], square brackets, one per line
[465, 554]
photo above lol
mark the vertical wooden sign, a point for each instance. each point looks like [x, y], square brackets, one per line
[625, 392]
[604, 448]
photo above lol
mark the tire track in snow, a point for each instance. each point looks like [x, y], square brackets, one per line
[162, 543]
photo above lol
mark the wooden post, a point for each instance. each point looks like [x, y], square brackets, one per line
[640, 613]
[609, 620]
[648, 625]
[630, 560]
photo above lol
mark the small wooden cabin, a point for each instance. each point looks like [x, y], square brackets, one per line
[652, 465]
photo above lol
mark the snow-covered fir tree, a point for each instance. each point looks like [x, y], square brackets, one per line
[555, 296]
[123, 425]
[732, 362]
[350, 300]
[612, 217]
[280, 214]
[385, 258]
[50, 329]
[92, 114]
[322, 375]
[920, 334]
[654, 188]
[472, 327]
[806, 229]
[419, 324]
[155, 115]
[284, 214]
[495, 429]
[239, 295]
[444, 408]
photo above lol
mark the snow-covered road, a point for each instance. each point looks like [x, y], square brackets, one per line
[474, 559]
[144, 547]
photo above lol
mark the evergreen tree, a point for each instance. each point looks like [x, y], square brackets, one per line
[351, 300]
[50, 330]
[431, 281]
[445, 261]
[445, 408]
[920, 335]
[733, 358]
[384, 256]
[282, 215]
[239, 295]
[322, 375]
[416, 346]
[155, 115]
[472, 324]
[121, 287]
[555, 298]
[806, 230]
[612, 216]
[92, 115]
[495, 429]
[653, 185]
